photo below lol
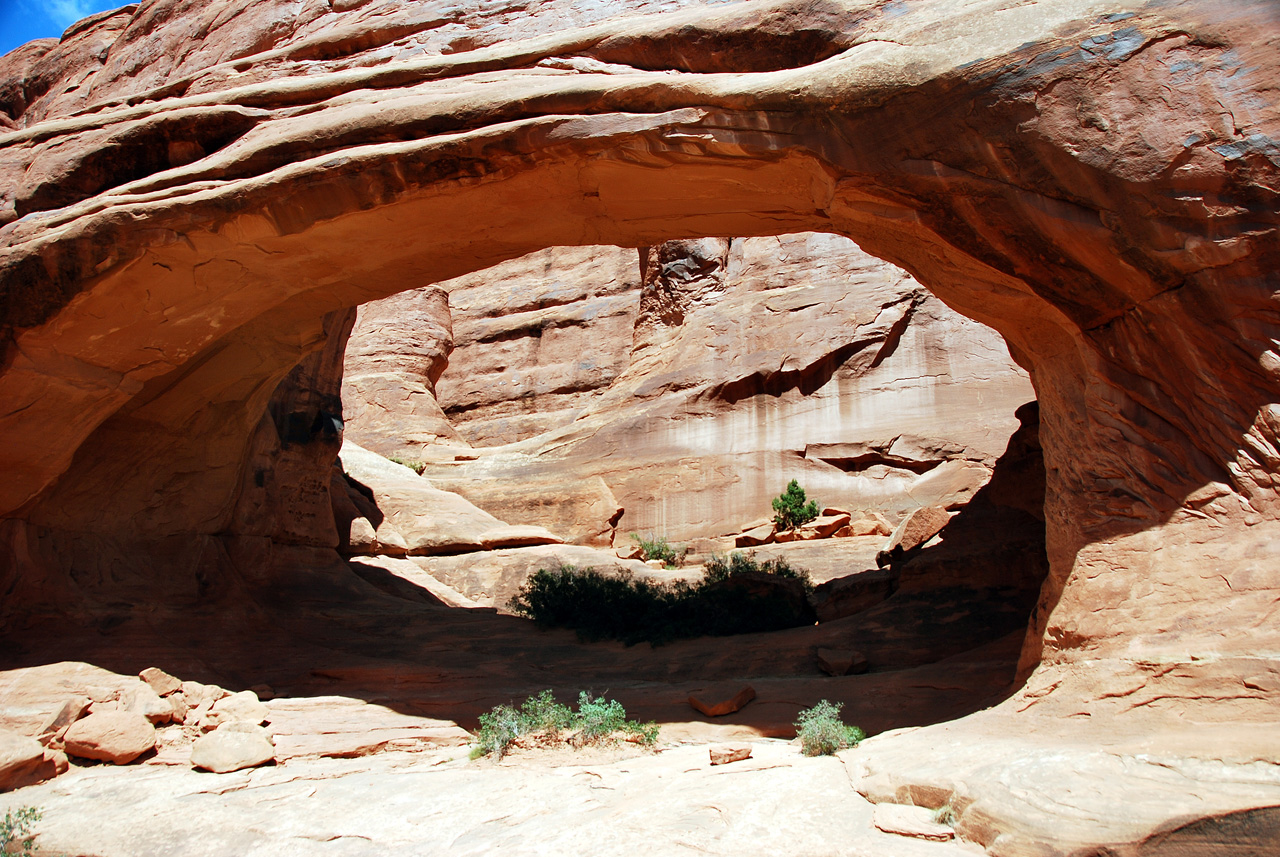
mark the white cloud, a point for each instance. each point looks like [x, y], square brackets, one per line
[64, 13]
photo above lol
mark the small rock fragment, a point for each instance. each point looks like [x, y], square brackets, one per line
[178, 706]
[161, 682]
[723, 754]
[841, 661]
[111, 736]
[236, 746]
[716, 702]
[914, 821]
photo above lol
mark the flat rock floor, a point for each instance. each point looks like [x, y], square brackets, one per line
[438, 803]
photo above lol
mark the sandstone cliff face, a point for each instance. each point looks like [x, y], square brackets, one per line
[398, 349]
[686, 388]
[1096, 182]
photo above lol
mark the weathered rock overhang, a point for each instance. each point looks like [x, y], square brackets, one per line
[1096, 182]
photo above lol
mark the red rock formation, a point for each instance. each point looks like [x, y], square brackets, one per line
[1096, 183]
[687, 400]
[397, 351]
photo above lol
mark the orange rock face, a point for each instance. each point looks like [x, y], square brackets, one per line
[194, 196]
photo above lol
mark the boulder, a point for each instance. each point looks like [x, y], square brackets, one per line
[197, 693]
[723, 754]
[917, 528]
[363, 538]
[761, 535]
[722, 700]
[21, 758]
[161, 682]
[870, 524]
[242, 707]
[841, 662]
[233, 747]
[144, 700]
[111, 736]
[824, 526]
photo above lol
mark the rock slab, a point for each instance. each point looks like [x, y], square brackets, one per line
[723, 754]
[914, 821]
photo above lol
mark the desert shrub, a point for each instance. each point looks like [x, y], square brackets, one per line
[416, 466]
[822, 732]
[656, 547]
[721, 568]
[737, 595]
[599, 718]
[946, 814]
[542, 713]
[15, 830]
[791, 509]
[596, 720]
[498, 730]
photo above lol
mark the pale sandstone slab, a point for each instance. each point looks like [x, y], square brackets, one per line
[345, 728]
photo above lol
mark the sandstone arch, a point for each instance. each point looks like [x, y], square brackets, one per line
[1098, 182]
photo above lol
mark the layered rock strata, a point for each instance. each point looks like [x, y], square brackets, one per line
[1096, 182]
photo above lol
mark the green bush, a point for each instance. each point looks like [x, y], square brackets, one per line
[416, 466]
[822, 732]
[542, 713]
[737, 595]
[791, 510]
[721, 569]
[599, 718]
[15, 830]
[656, 547]
[596, 720]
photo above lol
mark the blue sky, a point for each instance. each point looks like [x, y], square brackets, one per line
[24, 20]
